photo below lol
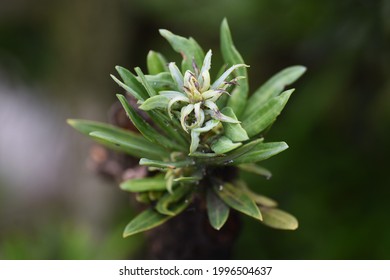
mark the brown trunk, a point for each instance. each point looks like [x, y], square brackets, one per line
[190, 236]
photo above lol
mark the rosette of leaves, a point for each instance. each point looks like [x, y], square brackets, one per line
[201, 128]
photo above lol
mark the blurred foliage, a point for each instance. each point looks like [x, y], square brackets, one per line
[333, 177]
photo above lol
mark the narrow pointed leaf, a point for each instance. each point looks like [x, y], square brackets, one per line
[161, 81]
[163, 164]
[188, 48]
[254, 168]
[146, 130]
[134, 144]
[191, 179]
[261, 152]
[128, 145]
[169, 128]
[133, 86]
[168, 204]
[233, 130]
[156, 63]
[238, 200]
[257, 198]
[217, 210]
[143, 185]
[224, 145]
[239, 96]
[263, 200]
[230, 157]
[155, 102]
[273, 87]
[219, 82]
[146, 220]
[279, 219]
[265, 115]
[145, 83]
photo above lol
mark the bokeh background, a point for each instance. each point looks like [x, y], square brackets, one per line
[55, 61]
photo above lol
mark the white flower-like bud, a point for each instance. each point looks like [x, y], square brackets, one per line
[195, 98]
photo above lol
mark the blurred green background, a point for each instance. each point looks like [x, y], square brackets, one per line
[55, 61]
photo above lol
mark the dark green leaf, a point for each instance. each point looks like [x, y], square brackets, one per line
[145, 83]
[170, 128]
[191, 179]
[266, 114]
[130, 83]
[163, 164]
[146, 130]
[273, 87]
[223, 145]
[279, 219]
[230, 157]
[156, 63]
[146, 220]
[172, 203]
[188, 48]
[145, 184]
[124, 143]
[238, 199]
[257, 198]
[233, 130]
[134, 144]
[238, 98]
[217, 210]
[161, 81]
[261, 152]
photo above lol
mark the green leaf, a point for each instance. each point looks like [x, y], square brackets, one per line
[188, 48]
[217, 210]
[233, 130]
[158, 101]
[145, 82]
[146, 130]
[163, 164]
[279, 219]
[161, 81]
[131, 146]
[133, 143]
[172, 203]
[143, 185]
[130, 83]
[230, 157]
[146, 220]
[156, 63]
[191, 179]
[261, 152]
[223, 145]
[170, 128]
[237, 199]
[238, 98]
[266, 114]
[273, 87]
[254, 168]
[257, 198]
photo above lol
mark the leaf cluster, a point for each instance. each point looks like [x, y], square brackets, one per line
[232, 136]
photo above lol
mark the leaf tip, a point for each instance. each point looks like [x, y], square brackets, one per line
[164, 32]
[71, 122]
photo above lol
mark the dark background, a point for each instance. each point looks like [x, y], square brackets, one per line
[55, 61]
